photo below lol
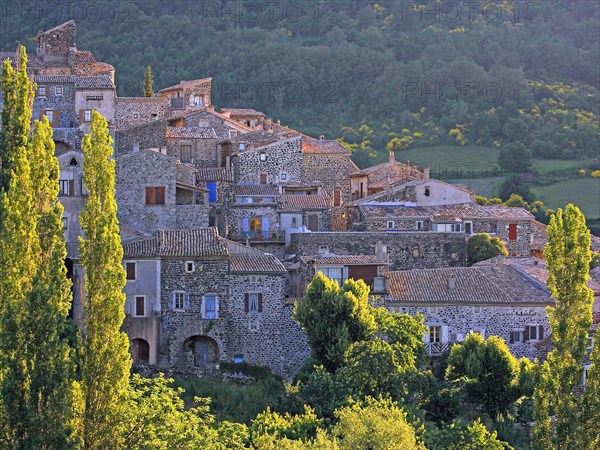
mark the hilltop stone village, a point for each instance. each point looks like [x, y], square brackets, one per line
[227, 215]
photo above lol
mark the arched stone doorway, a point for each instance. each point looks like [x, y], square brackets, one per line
[140, 351]
[199, 351]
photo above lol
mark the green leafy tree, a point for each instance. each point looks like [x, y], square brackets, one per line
[35, 360]
[106, 361]
[374, 424]
[515, 185]
[148, 89]
[590, 403]
[334, 318]
[514, 158]
[557, 394]
[490, 372]
[482, 246]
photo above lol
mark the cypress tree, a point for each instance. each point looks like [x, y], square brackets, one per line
[35, 359]
[148, 89]
[105, 360]
[558, 392]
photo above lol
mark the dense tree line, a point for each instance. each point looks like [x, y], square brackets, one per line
[493, 73]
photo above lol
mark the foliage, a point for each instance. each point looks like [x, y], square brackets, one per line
[557, 393]
[515, 185]
[595, 261]
[482, 246]
[148, 88]
[590, 403]
[106, 361]
[374, 424]
[295, 427]
[262, 373]
[456, 436]
[35, 359]
[596, 173]
[443, 404]
[334, 318]
[514, 158]
[490, 372]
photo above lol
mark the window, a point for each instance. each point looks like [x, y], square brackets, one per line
[323, 249]
[233, 133]
[435, 333]
[185, 153]
[516, 336]
[212, 191]
[476, 309]
[59, 90]
[313, 222]
[283, 176]
[189, 266]
[263, 157]
[131, 269]
[64, 188]
[263, 178]
[203, 123]
[533, 333]
[427, 191]
[416, 252]
[447, 227]
[419, 225]
[49, 113]
[210, 307]
[197, 100]
[512, 231]
[140, 305]
[294, 222]
[155, 196]
[590, 343]
[337, 198]
[242, 147]
[335, 273]
[390, 224]
[65, 222]
[253, 302]
[135, 115]
[468, 228]
[180, 299]
[87, 115]
[41, 91]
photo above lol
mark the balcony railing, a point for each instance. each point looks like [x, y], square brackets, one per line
[437, 348]
[177, 103]
[263, 235]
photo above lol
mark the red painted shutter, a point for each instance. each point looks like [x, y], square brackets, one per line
[71, 188]
[247, 302]
[81, 116]
[55, 118]
[260, 303]
[160, 196]
[512, 232]
[337, 198]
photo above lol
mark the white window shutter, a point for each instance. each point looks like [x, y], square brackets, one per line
[445, 335]
[172, 300]
[426, 336]
[217, 306]
[187, 301]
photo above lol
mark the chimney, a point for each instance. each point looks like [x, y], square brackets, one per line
[322, 137]
[426, 171]
[381, 254]
[392, 156]
[451, 283]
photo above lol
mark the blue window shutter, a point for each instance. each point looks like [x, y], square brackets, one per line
[212, 191]
[187, 301]
[172, 300]
[245, 224]
[265, 224]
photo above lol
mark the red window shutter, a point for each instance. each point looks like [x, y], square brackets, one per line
[247, 302]
[512, 232]
[260, 303]
[71, 188]
[337, 198]
[150, 196]
[160, 195]
[55, 118]
[81, 116]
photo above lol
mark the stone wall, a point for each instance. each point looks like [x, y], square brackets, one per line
[150, 135]
[134, 111]
[101, 100]
[520, 247]
[219, 125]
[282, 157]
[497, 320]
[434, 249]
[64, 104]
[236, 213]
[331, 170]
[262, 337]
[209, 277]
[204, 151]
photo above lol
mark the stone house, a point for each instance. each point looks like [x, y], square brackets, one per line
[499, 299]
[218, 301]
[311, 211]
[406, 250]
[253, 215]
[248, 117]
[134, 111]
[187, 95]
[155, 191]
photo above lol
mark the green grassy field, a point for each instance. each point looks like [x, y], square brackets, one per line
[583, 192]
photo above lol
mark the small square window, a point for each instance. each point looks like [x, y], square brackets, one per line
[419, 225]
[87, 115]
[179, 300]
[391, 224]
[294, 222]
[41, 91]
[155, 196]
[427, 191]
[136, 115]
[140, 305]
[130, 267]
[185, 153]
[263, 157]
[204, 124]
[59, 90]
[189, 266]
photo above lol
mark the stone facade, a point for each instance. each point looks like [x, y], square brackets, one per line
[150, 135]
[406, 250]
[134, 111]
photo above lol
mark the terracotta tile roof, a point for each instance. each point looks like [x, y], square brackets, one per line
[185, 84]
[256, 189]
[191, 132]
[178, 243]
[57, 27]
[325, 147]
[347, 260]
[256, 264]
[471, 285]
[302, 202]
[214, 174]
[460, 210]
[234, 112]
[94, 82]
[390, 172]
[82, 56]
